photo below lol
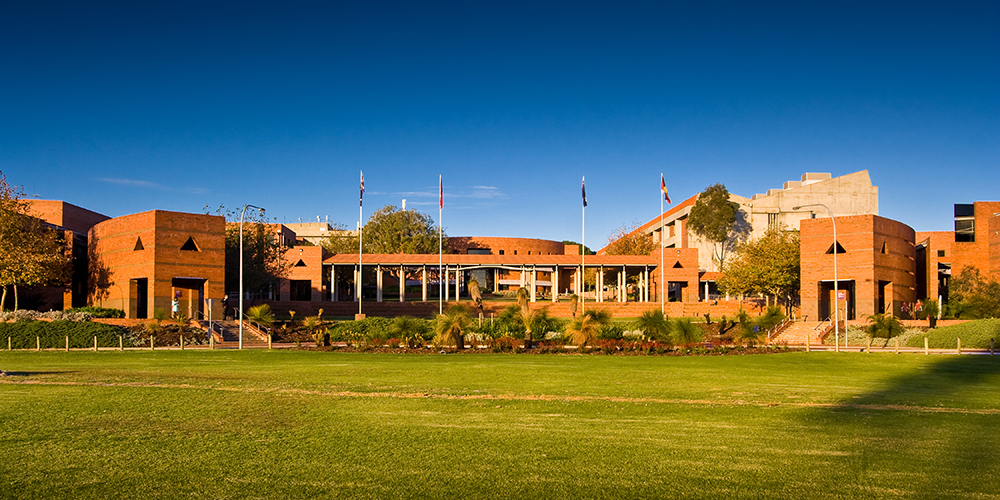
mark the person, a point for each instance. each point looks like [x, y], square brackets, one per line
[175, 307]
[225, 307]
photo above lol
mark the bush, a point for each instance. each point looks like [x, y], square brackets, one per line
[53, 334]
[974, 334]
[370, 328]
[98, 312]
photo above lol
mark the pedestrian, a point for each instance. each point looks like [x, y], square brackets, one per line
[175, 307]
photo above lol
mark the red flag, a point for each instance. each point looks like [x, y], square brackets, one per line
[663, 187]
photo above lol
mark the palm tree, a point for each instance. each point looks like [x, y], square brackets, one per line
[574, 302]
[522, 298]
[685, 333]
[528, 318]
[453, 322]
[408, 328]
[884, 326]
[261, 315]
[653, 323]
[477, 296]
[585, 329]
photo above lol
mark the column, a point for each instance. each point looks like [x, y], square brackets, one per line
[357, 283]
[621, 286]
[444, 283]
[496, 280]
[402, 283]
[555, 283]
[600, 283]
[423, 283]
[378, 283]
[458, 284]
[534, 277]
[522, 276]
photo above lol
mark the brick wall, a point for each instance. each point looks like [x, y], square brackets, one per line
[510, 246]
[876, 250]
[65, 214]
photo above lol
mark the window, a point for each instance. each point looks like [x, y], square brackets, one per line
[772, 220]
[479, 251]
[138, 245]
[190, 245]
[300, 263]
[501, 252]
[965, 230]
[840, 249]
[940, 253]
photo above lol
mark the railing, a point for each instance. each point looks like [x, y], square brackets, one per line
[777, 329]
[256, 329]
[212, 324]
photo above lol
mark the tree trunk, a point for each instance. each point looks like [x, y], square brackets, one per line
[459, 342]
[3, 299]
[15, 297]
[527, 339]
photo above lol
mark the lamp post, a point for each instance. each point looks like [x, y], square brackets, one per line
[836, 298]
[242, 213]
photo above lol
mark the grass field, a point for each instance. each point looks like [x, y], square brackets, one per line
[280, 424]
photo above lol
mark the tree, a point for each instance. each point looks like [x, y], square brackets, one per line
[477, 296]
[31, 253]
[654, 324]
[264, 262]
[720, 221]
[453, 323]
[884, 326]
[685, 333]
[768, 265]
[973, 296]
[391, 230]
[574, 304]
[628, 241]
[584, 329]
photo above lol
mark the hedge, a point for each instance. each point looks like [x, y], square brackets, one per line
[51, 334]
[974, 334]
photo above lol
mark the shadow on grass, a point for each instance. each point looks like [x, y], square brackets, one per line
[31, 374]
[931, 431]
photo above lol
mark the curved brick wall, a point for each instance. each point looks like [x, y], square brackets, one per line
[509, 246]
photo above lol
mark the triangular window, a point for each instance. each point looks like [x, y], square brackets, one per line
[189, 245]
[884, 249]
[138, 245]
[678, 265]
[300, 263]
[840, 249]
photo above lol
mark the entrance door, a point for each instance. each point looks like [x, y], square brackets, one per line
[138, 306]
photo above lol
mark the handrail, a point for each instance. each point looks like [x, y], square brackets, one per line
[261, 332]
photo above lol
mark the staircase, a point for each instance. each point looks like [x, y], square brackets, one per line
[797, 333]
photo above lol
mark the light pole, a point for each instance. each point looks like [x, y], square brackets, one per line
[242, 213]
[836, 298]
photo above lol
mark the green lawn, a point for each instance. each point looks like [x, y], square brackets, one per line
[280, 424]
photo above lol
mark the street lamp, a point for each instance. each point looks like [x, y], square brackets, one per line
[242, 213]
[836, 298]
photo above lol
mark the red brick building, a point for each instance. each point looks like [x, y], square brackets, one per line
[876, 266]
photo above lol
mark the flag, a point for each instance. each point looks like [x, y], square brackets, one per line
[361, 201]
[583, 186]
[441, 192]
[663, 187]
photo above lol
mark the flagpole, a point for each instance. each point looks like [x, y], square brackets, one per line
[583, 248]
[440, 229]
[663, 307]
[361, 205]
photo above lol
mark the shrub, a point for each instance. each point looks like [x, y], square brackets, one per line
[371, 328]
[53, 334]
[974, 334]
[98, 312]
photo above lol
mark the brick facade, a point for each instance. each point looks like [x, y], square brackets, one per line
[876, 271]
[151, 257]
[505, 246]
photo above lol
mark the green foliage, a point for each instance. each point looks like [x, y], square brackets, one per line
[574, 304]
[884, 326]
[261, 314]
[718, 220]
[627, 241]
[685, 333]
[31, 254]
[973, 296]
[264, 261]
[974, 334]
[411, 331]
[391, 230]
[767, 265]
[52, 334]
[654, 324]
[453, 323]
[754, 330]
[98, 312]
[370, 327]
[585, 329]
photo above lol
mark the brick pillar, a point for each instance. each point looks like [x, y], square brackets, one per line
[555, 283]
[378, 283]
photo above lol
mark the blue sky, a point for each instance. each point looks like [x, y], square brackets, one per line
[123, 107]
